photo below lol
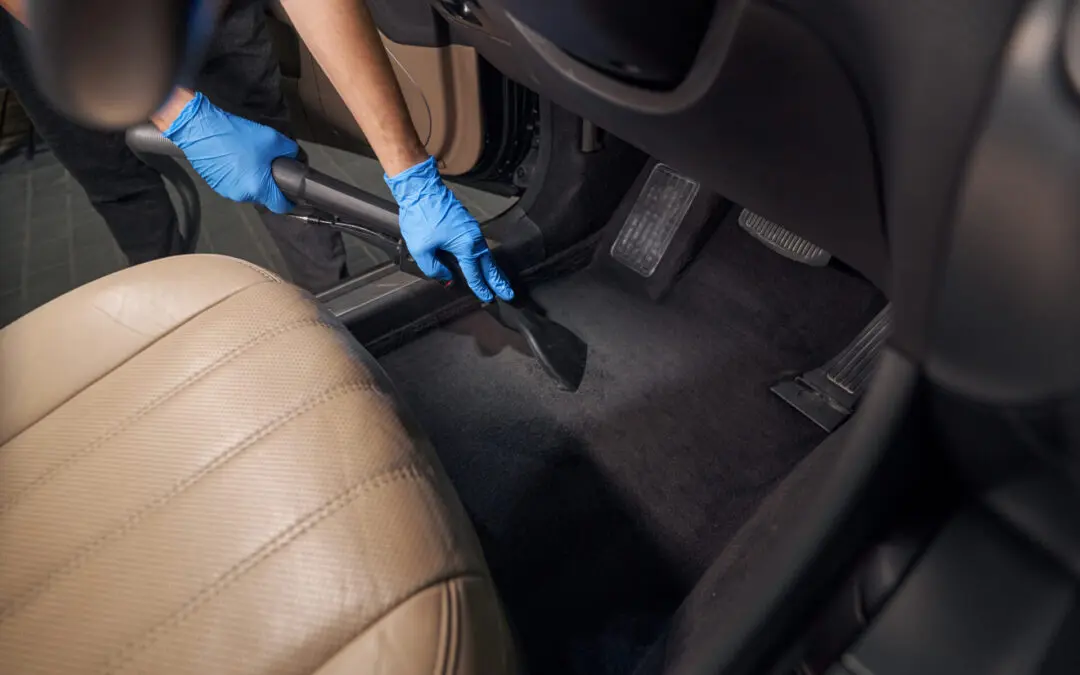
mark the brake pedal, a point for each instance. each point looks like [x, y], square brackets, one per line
[658, 227]
[828, 395]
[787, 244]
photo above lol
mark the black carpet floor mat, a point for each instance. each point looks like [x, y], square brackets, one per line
[598, 510]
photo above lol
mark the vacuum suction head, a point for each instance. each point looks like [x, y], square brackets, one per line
[561, 353]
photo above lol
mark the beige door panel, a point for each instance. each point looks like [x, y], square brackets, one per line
[441, 86]
[442, 90]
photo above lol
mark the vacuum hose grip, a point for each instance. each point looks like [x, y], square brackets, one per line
[159, 153]
[301, 183]
[290, 175]
[145, 139]
[298, 181]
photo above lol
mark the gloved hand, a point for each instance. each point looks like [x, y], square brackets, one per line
[232, 154]
[432, 219]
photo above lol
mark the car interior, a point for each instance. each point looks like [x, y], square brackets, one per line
[789, 387]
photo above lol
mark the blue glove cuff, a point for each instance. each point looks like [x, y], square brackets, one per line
[414, 181]
[191, 109]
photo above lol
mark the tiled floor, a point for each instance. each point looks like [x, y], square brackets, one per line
[51, 240]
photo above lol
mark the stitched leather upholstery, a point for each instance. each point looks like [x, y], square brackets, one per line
[202, 472]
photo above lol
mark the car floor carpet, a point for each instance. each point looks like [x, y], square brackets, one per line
[598, 510]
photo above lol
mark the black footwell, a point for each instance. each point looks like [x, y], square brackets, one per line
[598, 510]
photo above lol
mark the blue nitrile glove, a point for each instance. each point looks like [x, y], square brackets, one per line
[232, 154]
[432, 219]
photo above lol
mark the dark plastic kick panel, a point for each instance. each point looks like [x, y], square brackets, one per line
[765, 116]
[631, 41]
[981, 600]
[1007, 329]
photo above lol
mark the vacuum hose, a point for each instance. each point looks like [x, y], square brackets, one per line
[299, 182]
[157, 152]
[561, 353]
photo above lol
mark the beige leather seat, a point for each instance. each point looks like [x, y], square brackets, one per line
[202, 472]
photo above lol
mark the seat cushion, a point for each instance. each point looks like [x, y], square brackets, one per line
[202, 472]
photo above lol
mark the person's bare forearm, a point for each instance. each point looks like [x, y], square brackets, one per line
[172, 108]
[345, 42]
[15, 8]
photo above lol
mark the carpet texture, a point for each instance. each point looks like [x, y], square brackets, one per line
[599, 510]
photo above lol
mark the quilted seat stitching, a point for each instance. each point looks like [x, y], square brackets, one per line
[84, 553]
[387, 612]
[144, 348]
[154, 403]
[411, 471]
[267, 274]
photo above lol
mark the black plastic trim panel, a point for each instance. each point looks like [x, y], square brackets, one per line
[765, 117]
[1006, 328]
[981, 600]
[570, 198]
[410, 22]
[762, 592]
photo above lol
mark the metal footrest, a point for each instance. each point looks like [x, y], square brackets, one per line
[828, 395]
[653, 220]
[787, 244]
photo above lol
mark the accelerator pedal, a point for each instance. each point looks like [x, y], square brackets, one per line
[658, 228]
[787, 244]
[828, 395]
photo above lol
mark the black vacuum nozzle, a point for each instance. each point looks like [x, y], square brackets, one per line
[560, 352]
